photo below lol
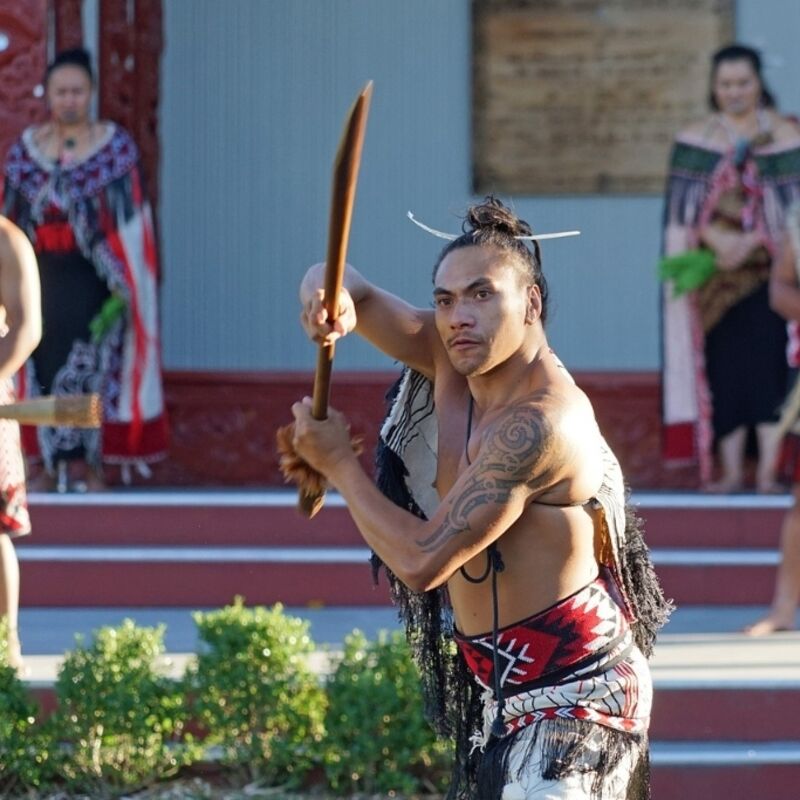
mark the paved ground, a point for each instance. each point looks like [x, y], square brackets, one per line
[51, 631]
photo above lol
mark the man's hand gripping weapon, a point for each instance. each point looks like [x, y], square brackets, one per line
[345, 178]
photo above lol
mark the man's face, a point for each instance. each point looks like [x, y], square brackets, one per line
[737, 89]
[482, 308]
[69, 93]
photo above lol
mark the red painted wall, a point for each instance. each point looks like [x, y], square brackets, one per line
[223, 424]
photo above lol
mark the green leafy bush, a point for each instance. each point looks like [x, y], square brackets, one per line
[25, 749]
[120, 723]
[120, 719]
[377, 736]
[255, 693]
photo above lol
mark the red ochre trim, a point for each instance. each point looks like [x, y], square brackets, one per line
[679, 442]
[223, 424]
[151, 445]
[151, 442]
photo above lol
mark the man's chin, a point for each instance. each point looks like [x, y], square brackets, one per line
[469, 369]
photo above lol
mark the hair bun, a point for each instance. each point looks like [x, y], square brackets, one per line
[493, 215]
[74, 57]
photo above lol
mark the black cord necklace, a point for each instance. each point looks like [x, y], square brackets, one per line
[494, 564]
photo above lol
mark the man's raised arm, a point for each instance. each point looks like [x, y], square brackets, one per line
[400, 330]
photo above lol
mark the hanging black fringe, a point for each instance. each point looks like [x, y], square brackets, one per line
[450, 695]
[568, 746]
[650, 608]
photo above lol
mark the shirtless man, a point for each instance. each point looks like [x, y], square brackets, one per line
[529, 494]
[21, 323]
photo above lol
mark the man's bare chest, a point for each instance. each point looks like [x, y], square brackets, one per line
[452, 413]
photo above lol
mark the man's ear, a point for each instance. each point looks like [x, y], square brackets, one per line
[534, 307]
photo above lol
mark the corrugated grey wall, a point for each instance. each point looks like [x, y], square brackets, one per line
[254, 95]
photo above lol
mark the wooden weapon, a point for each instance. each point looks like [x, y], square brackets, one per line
[343, 192]
[72, 411]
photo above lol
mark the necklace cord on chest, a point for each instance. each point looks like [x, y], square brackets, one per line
[494, 565]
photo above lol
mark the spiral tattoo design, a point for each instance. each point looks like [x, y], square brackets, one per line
[518, 451]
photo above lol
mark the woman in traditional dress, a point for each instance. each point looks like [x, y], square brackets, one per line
[732, 175]
[74, 186]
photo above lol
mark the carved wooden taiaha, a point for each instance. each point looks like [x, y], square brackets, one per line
[73, 411]
[343, 191]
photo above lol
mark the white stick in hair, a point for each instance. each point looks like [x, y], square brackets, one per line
[452, 236]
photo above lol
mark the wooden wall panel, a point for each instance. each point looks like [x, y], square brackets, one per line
[584, 96]
[131, 42]
[22, 24]
[68, 23]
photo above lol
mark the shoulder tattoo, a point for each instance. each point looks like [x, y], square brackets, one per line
[517, 451]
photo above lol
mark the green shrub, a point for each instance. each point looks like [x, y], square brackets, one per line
[119, 717]
[377, 737]
[25, 749]
[255, 694]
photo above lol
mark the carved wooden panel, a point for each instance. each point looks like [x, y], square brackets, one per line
[23, 24]
[66, 15]
[585, 96]
[131, 43]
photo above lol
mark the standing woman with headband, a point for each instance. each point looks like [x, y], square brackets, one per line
[74, 185]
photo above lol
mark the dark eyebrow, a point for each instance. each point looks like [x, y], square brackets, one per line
[476, 284]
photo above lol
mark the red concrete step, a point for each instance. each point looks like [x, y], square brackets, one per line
[701, 583]
[731, 714]
[725, 521]
[198, 583]
[190, 548]
[739, 770]
[271, 518]
[299, 576]
[724, 716]
[725, 781]
[205, 518]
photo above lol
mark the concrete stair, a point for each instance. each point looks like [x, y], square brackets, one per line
[724, 717]
[192, 549]
[202, 548]
[714, 550]
[726, 708]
